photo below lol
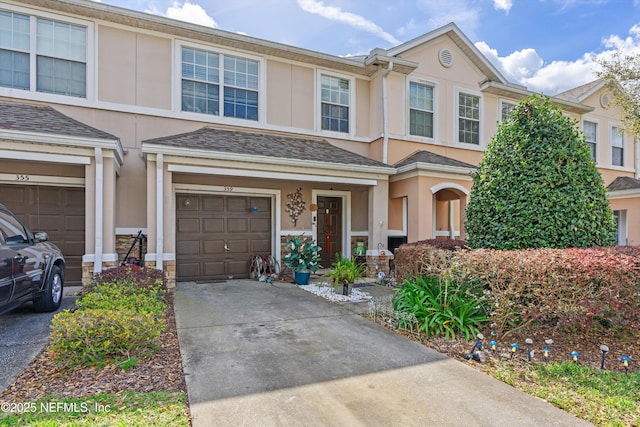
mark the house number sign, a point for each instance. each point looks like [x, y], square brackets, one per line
[20, 177]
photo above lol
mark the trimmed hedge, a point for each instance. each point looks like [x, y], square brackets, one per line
[569, 288]
[575, 288]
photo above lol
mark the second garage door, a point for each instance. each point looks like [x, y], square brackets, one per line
[57, 210]
[217, 234]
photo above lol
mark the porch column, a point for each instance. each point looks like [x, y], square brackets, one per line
[150, 256]
[99, 212]
[109, 254]
[378, 215]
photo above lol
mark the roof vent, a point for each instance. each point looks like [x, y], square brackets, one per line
[446, 57]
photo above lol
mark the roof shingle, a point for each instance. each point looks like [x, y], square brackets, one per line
[262, 144]
[44, 119]
[624, 183]
[424, 156]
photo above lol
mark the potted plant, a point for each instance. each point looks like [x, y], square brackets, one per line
[303, 258]
[345, 271]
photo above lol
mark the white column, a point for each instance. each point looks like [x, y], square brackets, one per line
[99, 214]
[159, 210]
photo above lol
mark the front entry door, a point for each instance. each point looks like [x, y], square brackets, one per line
[329, 229]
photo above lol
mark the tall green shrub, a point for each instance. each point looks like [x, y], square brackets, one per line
[537, 186]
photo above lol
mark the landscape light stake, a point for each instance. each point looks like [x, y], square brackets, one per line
[547, 349]
[574, 356]
[529, 342]
[604, 349]
[514, 349]
[625, 362]
[476, 346]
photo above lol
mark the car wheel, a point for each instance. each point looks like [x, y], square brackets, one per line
[51, 296]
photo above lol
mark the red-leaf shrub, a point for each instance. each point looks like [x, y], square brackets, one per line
[585, 287]
[413, 260]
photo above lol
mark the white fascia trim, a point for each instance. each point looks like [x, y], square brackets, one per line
[624, 194]
[75, 141]
[45, 157]
[204, 154]
[46, 180]
[269, 175]
[435, 168]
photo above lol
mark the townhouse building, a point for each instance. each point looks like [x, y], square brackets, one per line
[114, 121]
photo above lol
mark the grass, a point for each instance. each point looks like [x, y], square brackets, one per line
[604, 398]
[130, 409]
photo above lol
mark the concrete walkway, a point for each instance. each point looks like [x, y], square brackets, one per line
[274, 355]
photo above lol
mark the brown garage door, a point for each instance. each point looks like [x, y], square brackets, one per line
[57, 210]
[216, 235]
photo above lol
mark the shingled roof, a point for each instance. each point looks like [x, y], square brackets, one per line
[624, 183]
[262, 144]
[428, 157]
[44, 119]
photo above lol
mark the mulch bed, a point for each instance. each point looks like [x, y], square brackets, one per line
[160, 372]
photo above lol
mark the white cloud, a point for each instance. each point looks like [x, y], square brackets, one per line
[462, 12]
[336, 14]
[527, 68]
[502, 5]
[190, 12]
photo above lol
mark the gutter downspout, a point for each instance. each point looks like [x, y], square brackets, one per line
[99, 195]
[385, 115]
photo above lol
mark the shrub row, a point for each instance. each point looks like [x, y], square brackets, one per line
[574, 288]
[580, 287]
[119, 319]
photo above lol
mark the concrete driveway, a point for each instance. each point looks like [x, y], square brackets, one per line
[274, 355]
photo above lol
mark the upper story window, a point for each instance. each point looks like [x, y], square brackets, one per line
[58, 50]
[421, 109]
[468, 118]
[506, 108]
[214, 82]
[591, 137]
[617, 146]
[335, 99]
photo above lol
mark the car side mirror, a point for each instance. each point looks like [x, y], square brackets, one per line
[40, 236]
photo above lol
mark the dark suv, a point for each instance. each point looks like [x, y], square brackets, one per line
[31, 269]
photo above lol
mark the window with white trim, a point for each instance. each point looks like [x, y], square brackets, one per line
[60, 55]
[421, 109]
[591, 137]
[335, 99]
[617, 146]
[506, 108]
[468, 118]
[214, 82]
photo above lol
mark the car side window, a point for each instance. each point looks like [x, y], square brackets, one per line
[12, 231]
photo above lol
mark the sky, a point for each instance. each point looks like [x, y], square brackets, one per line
[549, 46]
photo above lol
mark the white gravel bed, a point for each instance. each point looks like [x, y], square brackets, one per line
[327, 291]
